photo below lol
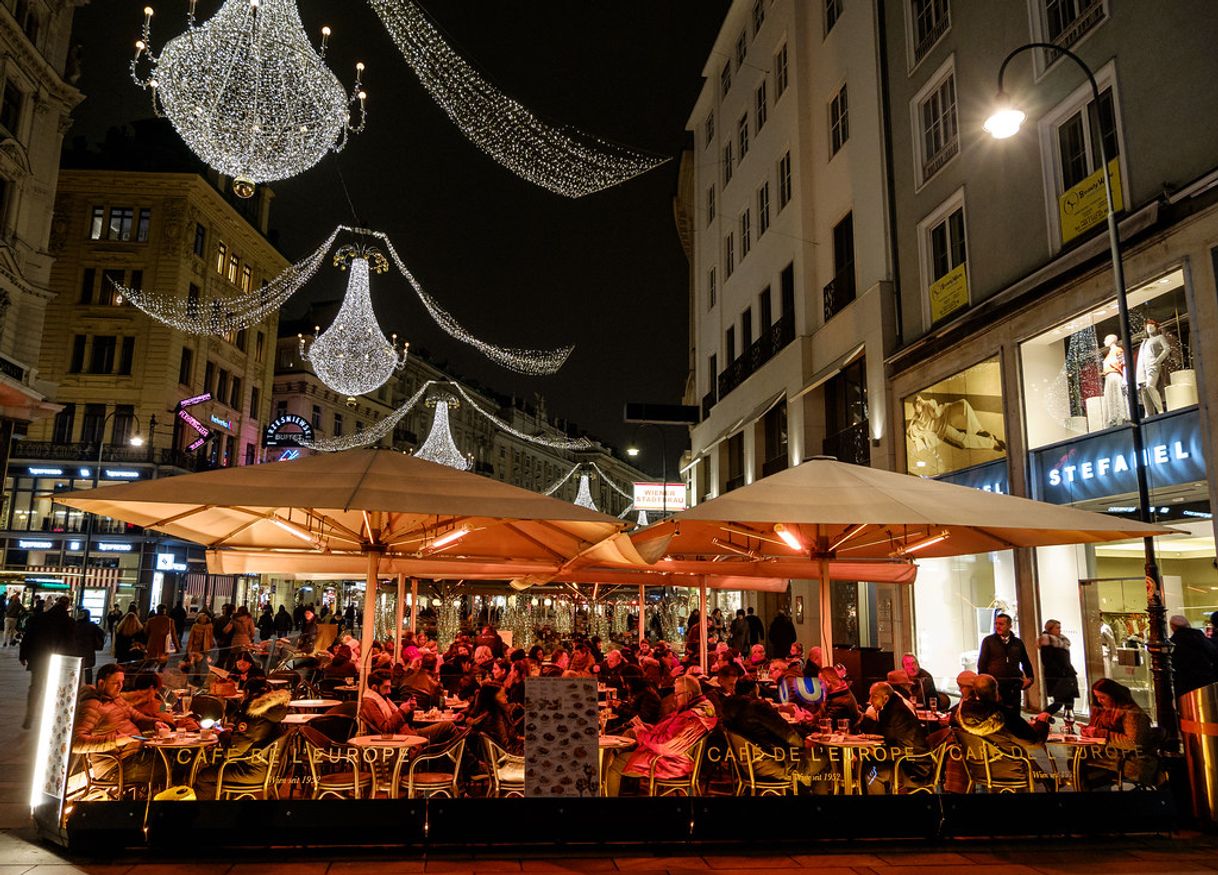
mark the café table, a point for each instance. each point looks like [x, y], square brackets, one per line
[1079, 746]
[850, 746]
[433, 716]
[319, 704]
[298, 719]
[180, 748]
[611, 745]
[400, 745]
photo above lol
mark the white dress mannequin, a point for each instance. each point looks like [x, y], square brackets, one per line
[1115, 404]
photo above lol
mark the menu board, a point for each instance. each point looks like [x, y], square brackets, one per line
[54, 746]
[561, 737]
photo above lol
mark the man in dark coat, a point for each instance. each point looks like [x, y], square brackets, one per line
[896, 721]
[283, 622]
[782, 635]
[738, 633]
[178, 614]
[756, 629]
[1194, 658]
[1004, 658]
[88, 638]
[47, 632]
[492, 639]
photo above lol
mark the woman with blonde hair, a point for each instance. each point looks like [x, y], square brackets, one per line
[126, 634]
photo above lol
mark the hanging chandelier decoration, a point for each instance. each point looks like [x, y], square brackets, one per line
[352, 356]
[642, 521]
[248, 92]
[440, 446]
[584, 497]
[562, 159]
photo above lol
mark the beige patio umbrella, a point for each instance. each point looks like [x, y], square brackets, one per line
[361, 512]
[800, 522]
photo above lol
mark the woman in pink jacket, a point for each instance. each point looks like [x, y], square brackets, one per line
[667, 744]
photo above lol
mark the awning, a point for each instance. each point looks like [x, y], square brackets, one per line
[831, 370]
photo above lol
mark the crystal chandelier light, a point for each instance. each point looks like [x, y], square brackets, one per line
[352, 356]
[559, 158]
[248, 93]
[584, 497]
[440, 446]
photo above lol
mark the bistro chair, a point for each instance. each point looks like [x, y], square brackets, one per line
[745, 756]
[935, 757]
[273, 756]
[104, 774]
[672, 786]
[421, 780]
[992, 768]
[335, 768]
[506, 770]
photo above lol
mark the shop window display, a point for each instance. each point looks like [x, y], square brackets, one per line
[1074, 375]
[956, 423]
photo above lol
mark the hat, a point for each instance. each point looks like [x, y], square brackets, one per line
[899, 676]
[966, 678]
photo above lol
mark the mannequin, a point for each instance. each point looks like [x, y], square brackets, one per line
[1153, 352]
[1115, 404]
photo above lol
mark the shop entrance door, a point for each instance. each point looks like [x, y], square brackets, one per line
[1117, 628]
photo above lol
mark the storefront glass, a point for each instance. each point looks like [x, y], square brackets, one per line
[1074, 374]
[956, 423]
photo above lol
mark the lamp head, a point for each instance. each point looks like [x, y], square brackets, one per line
[1005, 120]
[632, 451]
[136, 440]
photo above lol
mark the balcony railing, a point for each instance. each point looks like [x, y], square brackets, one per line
[839, 292]
[934, 163]
[733, 483]
[932, 36]
[774, 465]
[761, 351]
[87, 454]
[1088, 17]
[851, 445]
[708, 401]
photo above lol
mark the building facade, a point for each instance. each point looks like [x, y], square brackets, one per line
[137, 398]
[1008, 376]
[35, 106]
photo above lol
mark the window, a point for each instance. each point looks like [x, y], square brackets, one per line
[209, 376]
[186, 366]
[88, 280]
[91, 428]
[316, 417]
[1066, 21]
[839, 123]
[1078, 141]
[833, 11]
[192, 301]
[729, 255]
[709, 127]
[241, 340]
[141, 230]
[784, 181]
[758, 16]
[735, 462]
[711, 290]
[233, 262]
[841, 290]
[729, 343]
[65, 424]
[101, 356]
[931, 19]
[786, 287]
[338, 425]
[761, 107]
[123, 425]
[746, 329]
[107, 294]
[746, 234]
[97, 223]
[222, 386]
[1076, 130]
[846, 415]
[120, 223]
[135, 281]
[947, 245]
[710, 205]
[249, 454]
[727, 164]
[780, 72]
[234, 397]
[247, 278]
[10, 109]
[255, 403]
[221, 257]
[944, 255]
[77, 363]
[200, 246]
[938, 139]
[127, 356]
[259, 346]
[765, 310]
[742, 135]
[763, 208]
[725, 79]
[742, 48]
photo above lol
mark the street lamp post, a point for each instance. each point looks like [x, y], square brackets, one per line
[1005, 122]
[634, 451]
[135, 441]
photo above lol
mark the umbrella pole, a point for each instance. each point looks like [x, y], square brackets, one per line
[399, 612]
[826, 614]
[414, 606]
[642, 610]
[702, 623]
[366, 627]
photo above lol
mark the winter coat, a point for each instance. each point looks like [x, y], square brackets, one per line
[283, 622]
[666, 745]
[266, 626]
[100, 721]
[1194, 660]
[1061, 680]
[1003, 660]
[1128, 728]
[782, 636]
[47, 632]
[978, 722]
[902, 729]
[255, 728]
[88, 638]
[159, 629]
[202, 636]
[241, 630]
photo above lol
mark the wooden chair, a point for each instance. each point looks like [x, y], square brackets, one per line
[671, 786]
[336, 769]
[421, 780]
[980, 759]
[745, 756]
[273, 756]
[506, 770]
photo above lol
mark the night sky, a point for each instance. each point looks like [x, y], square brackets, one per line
[517, 265]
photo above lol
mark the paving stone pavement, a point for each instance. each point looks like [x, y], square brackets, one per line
[21, 853]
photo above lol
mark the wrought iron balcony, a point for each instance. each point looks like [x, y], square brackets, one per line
[86, 454]
[851, 445]
[761, 351]
[774, 465]
[839, 292]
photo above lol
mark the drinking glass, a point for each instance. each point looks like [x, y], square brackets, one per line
[826, 727]
[843, 726]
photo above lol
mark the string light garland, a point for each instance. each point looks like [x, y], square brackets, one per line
[352, 356]
[227, 314]
[580, 443]
[371, 435]
[440, 446]
[629, 496]
[583, 498]
[561, 159]
[248, 93]
[559, 483]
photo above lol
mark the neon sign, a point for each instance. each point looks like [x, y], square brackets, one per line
[36, 545]
[223, 423]
[46, 472]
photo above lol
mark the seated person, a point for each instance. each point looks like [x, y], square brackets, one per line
[342, 666]
[381, 716]
[245, 669]
[922, 683]
[665, 747]
[419, 682]
[1118, 719]
[984, 719]
[491, 714]
[902, 731]
[609, 672]
[755, 720]
[642, 700]
[903, 687]
[955, 778]
[145, 696]
[108, 723]
[756, 662]
[840, 703]
[255, 726]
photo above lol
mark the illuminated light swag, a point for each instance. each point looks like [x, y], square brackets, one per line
[352, 356]
[248, 93]
[584, 497]
[440, 446]
[564, 160]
